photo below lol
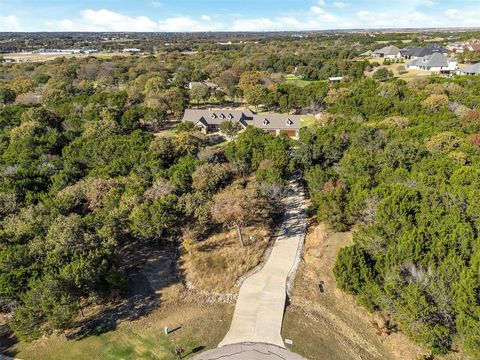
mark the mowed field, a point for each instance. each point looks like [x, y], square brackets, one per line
[407, 75]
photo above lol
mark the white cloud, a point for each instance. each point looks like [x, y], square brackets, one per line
[321, 15]
[106, 20]
[156, 4]
[186, 23]
[340, 5]
[103, 20]
[9, 23]
[453, 14]
[316, 10]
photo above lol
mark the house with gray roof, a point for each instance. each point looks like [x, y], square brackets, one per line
[473, 69]
[276, 124]
[415, 52]
[388, 52]
[436, 63]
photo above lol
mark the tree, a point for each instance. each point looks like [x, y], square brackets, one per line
[353, 269]
[7, 95]
[237, 207]
[209, 178]
[154, 219]
[436, 102]
[230, 128]
[199, 92]
[382, 74]
[256, 95]
[227, 80]
[176, 100]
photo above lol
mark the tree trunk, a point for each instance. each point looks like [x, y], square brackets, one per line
[240, 236]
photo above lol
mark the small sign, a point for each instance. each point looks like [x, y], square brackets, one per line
[288, 342]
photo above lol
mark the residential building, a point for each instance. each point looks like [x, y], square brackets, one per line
[473, 45]
[416, 52]
[436, 63]
[275, 124]
[211, 86]
[388, 52]
[473, 69]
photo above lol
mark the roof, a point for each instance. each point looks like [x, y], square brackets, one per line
[199, 83]
[388, 50]
[421, 51]
[471, 69]
[276, 121]
[216, 117]
[246, 117]
[434, 60]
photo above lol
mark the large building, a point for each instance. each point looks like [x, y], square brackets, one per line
[388, 52]
[275, 124]
[436, 63]
[416, 52]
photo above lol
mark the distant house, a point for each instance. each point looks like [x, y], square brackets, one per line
[211, 86]
[473, 69]
[436, 63]
[131, 50]
[335, 78]
[367, 53]
[416, 52]
[456, 47]
[275, 124]
[473, 45]
[388, 52]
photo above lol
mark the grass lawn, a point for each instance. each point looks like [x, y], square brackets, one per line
[407, 76]
[307, 120]
[202, 326]
[291, 79]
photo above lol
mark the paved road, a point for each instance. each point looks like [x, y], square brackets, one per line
[260, 306]
[257, 351]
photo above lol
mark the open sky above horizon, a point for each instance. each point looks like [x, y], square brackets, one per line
[230, 15]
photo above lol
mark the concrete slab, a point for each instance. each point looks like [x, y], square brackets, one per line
[245, 351]
[260, 306]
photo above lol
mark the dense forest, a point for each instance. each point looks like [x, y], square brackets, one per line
[400, 162]
[91, 164]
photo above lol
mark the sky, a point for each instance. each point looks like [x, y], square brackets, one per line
[233, 15]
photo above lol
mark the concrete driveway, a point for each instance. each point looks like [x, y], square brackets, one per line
[260, 306]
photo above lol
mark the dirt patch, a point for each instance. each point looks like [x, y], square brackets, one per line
[328, 323]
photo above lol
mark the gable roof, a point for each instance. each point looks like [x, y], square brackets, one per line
[215, 117]
[471, 69]
[429, 61]
[388, 50]
[421, 51]
[245, 117]
[276, 121]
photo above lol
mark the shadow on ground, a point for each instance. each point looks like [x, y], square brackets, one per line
[150, 267]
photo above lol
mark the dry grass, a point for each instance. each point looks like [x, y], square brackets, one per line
[200, 326]
[407, 75]
[36, 57]
[217, 262]
[344, 329]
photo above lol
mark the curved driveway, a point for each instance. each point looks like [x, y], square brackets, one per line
[260, 306]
